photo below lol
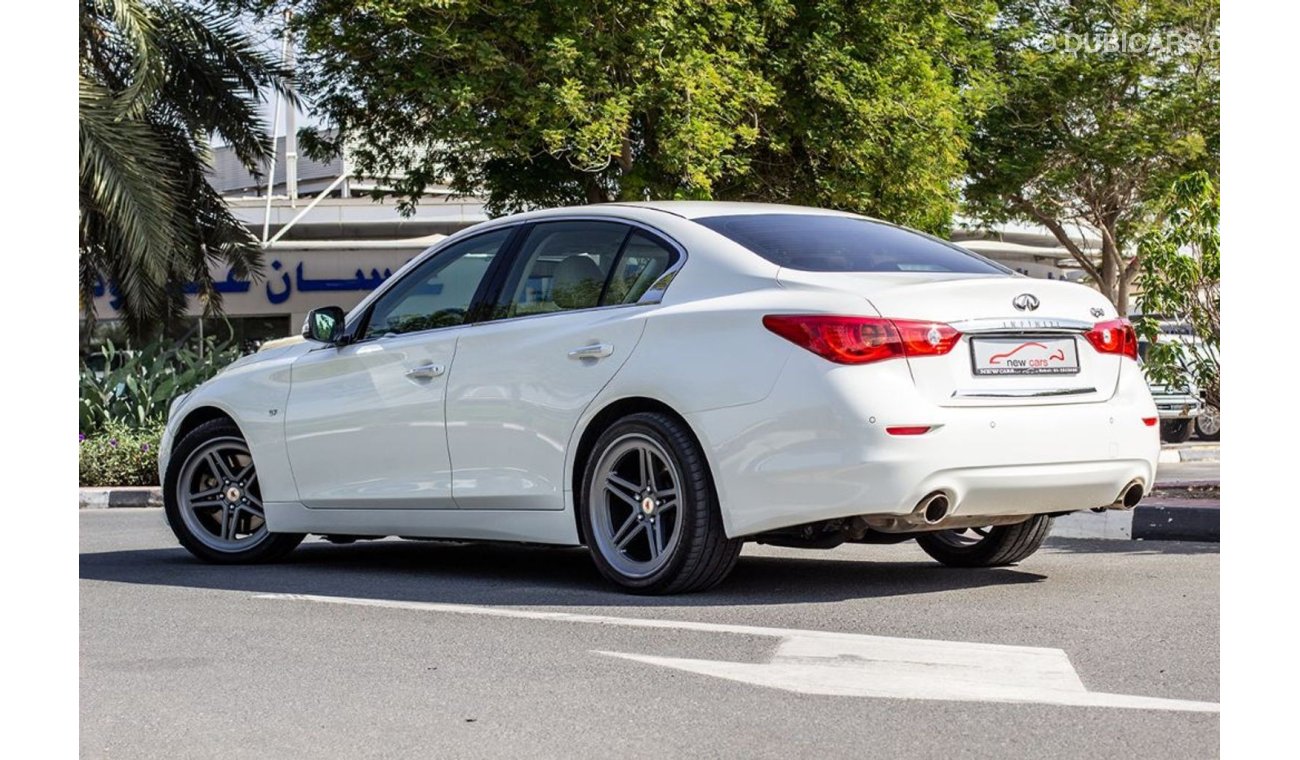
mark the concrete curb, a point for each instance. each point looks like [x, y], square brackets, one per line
[129, 497]
[1159, 519]
[1172, 453]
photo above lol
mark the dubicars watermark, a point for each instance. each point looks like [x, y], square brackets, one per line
[1174, 43]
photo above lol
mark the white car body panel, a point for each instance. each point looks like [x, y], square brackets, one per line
[790, 437]
[509, 422]
[361, 433]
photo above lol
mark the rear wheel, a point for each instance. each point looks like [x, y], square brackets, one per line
[213, 499]
[987, 547]
[649, 512]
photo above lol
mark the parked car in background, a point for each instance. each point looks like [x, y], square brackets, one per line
[1179, 404]
[663, 382]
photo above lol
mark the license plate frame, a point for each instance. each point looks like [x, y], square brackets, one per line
[1023, 356]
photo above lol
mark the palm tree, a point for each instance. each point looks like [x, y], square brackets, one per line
[158, 79]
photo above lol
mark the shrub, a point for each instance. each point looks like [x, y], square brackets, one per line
[119, 456]
[133, 388]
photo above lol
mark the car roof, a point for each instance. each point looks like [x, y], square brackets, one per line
[702, 209]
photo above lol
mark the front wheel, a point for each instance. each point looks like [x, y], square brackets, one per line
[987, 547]
[649, 511]
[213, 499]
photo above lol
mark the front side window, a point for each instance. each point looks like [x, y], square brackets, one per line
[439, 292]
[817, 243]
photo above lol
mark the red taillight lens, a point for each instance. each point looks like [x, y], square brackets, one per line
[1114, 337]
[861, 340]
[908, 430]
[1150, 421]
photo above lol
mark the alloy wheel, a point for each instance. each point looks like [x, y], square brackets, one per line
[635, 505]
[219, 497]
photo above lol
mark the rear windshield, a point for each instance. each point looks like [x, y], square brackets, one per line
[817, 243]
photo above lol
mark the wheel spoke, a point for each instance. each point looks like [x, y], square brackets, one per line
[666, 505]
[246, 475]
[623, 490]
[640, 527]
[655, 536]
[626, 528]
[208, 503]
[648, 469]
[227, 523]
[217, 464]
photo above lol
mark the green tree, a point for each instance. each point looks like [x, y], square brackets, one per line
[156, 81]
[863, 106]
[1180, 283]
[1105, 103]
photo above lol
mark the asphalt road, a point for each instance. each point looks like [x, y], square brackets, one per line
[180, 659]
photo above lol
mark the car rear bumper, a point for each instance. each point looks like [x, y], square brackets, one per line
[817, 448]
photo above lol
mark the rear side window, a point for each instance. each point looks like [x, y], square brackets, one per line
[816, 243]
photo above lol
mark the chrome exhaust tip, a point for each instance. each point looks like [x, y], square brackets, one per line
[933, 508]
[1129, 497]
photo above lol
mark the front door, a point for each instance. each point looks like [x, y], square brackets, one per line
[570, 312]
[364, 424]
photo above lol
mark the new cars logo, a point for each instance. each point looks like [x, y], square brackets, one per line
[1025, 302]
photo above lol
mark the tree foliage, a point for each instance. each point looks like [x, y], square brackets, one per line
[156, 80]
[1180, 283]
[1105, 103]
[863, 106]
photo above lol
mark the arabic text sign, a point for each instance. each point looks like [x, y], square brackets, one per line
[291, 283]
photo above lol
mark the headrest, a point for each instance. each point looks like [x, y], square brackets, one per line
[576, 283]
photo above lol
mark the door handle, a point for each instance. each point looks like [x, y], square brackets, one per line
[594, 351]
[426, 372]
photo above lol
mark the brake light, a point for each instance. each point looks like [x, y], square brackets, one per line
[1149, 421]
[861, 340]
[1114, 337]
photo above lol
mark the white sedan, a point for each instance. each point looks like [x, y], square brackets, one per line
[663, 382]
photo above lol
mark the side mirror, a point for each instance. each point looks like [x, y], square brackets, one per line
[324, 325]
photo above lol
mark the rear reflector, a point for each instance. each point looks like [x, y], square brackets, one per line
[1114, 337]
[861, 340]
[908, 430]
[1149, 421]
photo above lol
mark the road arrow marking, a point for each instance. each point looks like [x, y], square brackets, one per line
[876, 666]
[846, 664]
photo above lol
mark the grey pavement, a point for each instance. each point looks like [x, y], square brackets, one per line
[180, 659]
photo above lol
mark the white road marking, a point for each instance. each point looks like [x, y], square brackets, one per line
[847, 664]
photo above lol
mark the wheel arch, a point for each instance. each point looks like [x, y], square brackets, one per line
[600, 422]
[198, 416]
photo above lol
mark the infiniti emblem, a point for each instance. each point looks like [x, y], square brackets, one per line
[1025, 302]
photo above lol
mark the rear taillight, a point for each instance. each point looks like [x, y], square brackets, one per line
[861, 340]
[1114, 337]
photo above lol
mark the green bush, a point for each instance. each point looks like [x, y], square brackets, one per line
[133, 388]
[119, 456]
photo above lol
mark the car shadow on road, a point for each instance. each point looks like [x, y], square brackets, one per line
[529, 575]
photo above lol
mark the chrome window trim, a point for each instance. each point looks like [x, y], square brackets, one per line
[653, 295]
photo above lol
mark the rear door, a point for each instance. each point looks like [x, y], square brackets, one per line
[569, 314]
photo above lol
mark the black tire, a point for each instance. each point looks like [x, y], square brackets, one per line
[1214, 425]
[700, 555]
[1175, 431]
[1004, 544]
[269, 548]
